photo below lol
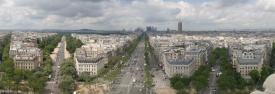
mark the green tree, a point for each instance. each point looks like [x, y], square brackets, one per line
[230, 79]
[178, 85]
[255, 75]
[272, 57]
[212, 59]
[67, 84]
[68, 73]
[266, 71]
[36, 84]
[68, 68]
[85, 76]
[200, 77]
[178, 82]
[72, 43]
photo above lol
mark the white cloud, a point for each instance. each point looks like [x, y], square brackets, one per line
[129, 14]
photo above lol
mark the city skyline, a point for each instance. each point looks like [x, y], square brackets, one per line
[87, 61]
[130, 14]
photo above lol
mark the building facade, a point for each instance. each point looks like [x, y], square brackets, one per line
[184, 59]
[24, 49]
[179, 26]
[89, 61]
[248, 61]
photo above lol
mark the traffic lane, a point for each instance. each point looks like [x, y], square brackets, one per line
[137, 90]
[213, 78]
[52, 86]
[127, 77]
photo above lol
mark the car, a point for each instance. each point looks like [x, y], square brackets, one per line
[49, 77]
[214, 89]
[212, 69]
[218, 74]
[134, 80]
[58, 66]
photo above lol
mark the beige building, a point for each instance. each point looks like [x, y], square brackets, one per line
[89, 65]
[97, 49]
[86, 61]
[28, 59]
[183, 60]
[181, 66]
[248, 61]
[26, 62]
[248, 57]
[24, 51]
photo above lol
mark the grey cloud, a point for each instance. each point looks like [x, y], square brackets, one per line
[130, 1]
[161, 15]
[110, 14]
[91, 0]
[228, 3]
[83, 10]
[2, 2]
[154, 14]
[66, 8]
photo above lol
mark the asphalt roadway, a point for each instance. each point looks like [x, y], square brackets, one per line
[131, 80]
[212, 82]
[52, 84]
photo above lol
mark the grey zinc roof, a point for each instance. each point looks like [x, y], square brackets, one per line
[180, 61]
[84, 59]
[256, 60]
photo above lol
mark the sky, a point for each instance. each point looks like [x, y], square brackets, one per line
[130, 14]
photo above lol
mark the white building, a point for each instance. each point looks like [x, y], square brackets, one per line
[97, 50]
[183, 60]
[249, 60]
[88, 62]
[24, 50]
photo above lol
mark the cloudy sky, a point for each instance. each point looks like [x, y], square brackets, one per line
[129, 14]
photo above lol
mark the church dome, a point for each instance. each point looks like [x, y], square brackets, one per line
[269, 84]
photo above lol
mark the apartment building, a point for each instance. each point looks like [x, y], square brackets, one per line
[249, 60]
[97, 50]
[175, 63]
[24, 51]
[27, 62]
[248, 57]
[184, 59]
[89, 61]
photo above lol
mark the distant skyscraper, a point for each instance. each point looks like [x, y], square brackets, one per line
[151, 29]
[168, 30]
[139, 29]
[180, 26]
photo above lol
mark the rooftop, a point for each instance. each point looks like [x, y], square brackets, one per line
[181, 61]
[84, 59]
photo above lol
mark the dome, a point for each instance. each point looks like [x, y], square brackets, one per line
[258, 92]
[269, 84]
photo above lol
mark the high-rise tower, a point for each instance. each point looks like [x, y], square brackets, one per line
[180, 26]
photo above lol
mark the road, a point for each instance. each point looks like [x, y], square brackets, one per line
[160, 79]
[134, 70]
[212, 83]
[52, 84]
